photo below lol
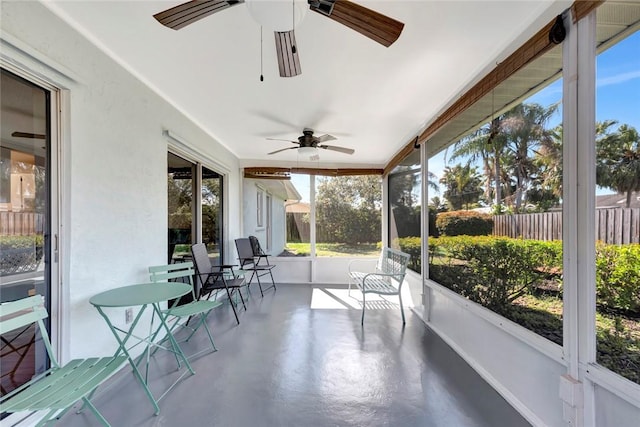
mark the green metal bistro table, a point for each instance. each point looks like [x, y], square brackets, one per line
[142, 296]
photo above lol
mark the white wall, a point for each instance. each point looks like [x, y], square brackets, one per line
[114, 197]
[528, 379]
[522, 366]
[250, 218]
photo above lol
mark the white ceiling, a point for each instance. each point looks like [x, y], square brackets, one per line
[373, 99]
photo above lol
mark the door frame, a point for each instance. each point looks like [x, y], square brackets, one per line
[31, 65]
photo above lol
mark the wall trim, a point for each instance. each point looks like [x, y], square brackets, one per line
[182, 147]
[620, 386]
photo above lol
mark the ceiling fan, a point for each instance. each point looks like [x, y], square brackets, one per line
[374, 25]
[308, 144]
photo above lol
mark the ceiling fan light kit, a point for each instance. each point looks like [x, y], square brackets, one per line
[277, 15]
[308, 151]
[283, 16]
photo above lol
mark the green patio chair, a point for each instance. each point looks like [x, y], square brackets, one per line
[184, 272]
[59, 387]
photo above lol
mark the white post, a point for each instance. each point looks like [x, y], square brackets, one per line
[424, 226]
[578, 212]
[586, 255]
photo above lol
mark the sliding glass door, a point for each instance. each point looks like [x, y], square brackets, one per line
[211, 204]
[194, 208]
[25, 218]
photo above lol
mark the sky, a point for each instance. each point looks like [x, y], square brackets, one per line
[617, 97]
[617, 91]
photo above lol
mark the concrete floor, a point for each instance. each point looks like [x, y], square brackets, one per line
[301, 358]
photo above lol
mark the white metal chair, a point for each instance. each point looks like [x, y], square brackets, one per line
[385, 279]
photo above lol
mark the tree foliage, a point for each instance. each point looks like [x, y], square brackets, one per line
[405, 203]
[618, 158]
[462, 186]
[348, 209]
[518, 155]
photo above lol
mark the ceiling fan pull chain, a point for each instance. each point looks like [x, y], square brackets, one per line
[261, 75]
[293, 22]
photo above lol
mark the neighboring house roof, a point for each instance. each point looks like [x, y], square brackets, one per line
[281, 188]
[298, 207]
[617, 200]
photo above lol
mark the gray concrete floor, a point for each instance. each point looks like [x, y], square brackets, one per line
[294, 363]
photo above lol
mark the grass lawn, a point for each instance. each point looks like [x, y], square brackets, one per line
[333, 249]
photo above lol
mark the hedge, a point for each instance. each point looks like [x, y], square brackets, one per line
[468, 223]
[495, 270]
[19, 242]
[511, 265]
[618, 277]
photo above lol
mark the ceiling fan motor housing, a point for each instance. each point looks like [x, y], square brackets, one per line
[307, 139]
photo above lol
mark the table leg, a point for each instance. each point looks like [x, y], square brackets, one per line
[122, 348]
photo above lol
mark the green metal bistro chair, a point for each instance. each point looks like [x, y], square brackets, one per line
[59, 387]
[184, 272]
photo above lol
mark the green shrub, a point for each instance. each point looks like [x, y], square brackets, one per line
[411, 246]
[464, 223]
[20, 242]
[496, 270]
[618, 277]
[19, 254]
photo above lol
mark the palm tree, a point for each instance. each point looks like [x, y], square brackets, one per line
[505, 146]
[477, 146]
[524, 129]
[463, 185]
[548, 163]
[618, 158]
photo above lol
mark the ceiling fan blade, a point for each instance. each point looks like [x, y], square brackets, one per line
[376, 26]
[187, 13]
[283, 149]
[325, 138]
[28, 135]
[285, 140]
[340, 149]
[287, 53]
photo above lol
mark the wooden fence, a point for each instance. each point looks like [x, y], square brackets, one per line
[614, 226]
[21, 223]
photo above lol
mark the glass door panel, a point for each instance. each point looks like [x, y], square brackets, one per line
[24, 219]
[212, 213]
[180, 179]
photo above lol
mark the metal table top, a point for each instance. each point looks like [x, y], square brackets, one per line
[140, 294]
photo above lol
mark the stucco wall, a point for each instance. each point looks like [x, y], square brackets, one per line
[250, 217]
[114, 166]
[522, 366]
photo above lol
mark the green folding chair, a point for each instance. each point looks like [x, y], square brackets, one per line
[184, 272]
[59, 387]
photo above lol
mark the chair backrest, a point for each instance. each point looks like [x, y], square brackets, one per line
[255, 246]
[245, 252]
[202, 264]
[24, 312]
[393, 262]
[182, 272]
